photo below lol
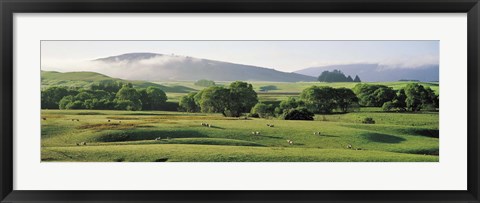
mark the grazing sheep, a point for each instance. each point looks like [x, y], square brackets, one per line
[158, 138]
[257, 133]
[314, 133]
[349, 146]
[208, 125]
[318, 133]
[253, 133]
[290, 142]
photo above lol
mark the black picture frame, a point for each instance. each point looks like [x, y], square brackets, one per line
[10, 7]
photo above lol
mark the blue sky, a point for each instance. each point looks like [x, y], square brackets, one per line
[285, 56]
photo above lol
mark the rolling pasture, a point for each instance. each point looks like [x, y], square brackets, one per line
[133, 136]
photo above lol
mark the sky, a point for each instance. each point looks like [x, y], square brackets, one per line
[287, 56]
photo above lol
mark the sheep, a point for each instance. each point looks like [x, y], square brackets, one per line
[208, 125]
[290, 142]
[158, 138]
[349, 146]
[257, 133]
[203, 124]
[253, 133]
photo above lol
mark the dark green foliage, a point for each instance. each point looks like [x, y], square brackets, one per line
[345, 99]
[262, 110]
[187, 103]
[128, 98]
[373, 95]
[213, 99]
[388, 106]
[111, 86]
[418, 97]
[290, 103]
[319, 99]
[205, 83]
[298, 114]
[368, 120]
[357, 79]
[153, 98]
[268, 88]
[242, 98]
[334, 76]
[52, 96]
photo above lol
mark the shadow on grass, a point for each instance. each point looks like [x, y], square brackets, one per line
[383, 138]
[144, 134]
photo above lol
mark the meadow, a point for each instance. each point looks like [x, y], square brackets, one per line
[133, 136]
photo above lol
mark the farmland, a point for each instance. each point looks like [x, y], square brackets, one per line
[116, 136]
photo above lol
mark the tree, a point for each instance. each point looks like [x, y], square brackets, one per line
[187, 103]
[290, 103]
[319, 99]
[127, 98]
[345, 99]
[357, 79]
[373, 95]
[242, 98]
[334, 76]
[152, 98]
[205, 83]
[111, 86]
[349, 79]
[418, 97]
[399, 101]
[50, 97]
[213, 99]
[262, 110]
[298, 114]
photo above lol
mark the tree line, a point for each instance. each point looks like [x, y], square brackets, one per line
[336, 76]
[105, 95]
[239, 98]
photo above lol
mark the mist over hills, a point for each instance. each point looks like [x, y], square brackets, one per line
[161, 67]
[371, 72]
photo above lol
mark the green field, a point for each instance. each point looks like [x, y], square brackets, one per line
[130, 137]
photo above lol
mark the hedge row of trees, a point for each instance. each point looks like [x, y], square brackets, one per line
[105, 95]
[413, 97]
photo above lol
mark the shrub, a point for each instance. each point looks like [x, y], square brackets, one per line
[263, 110]
[368, 120]
[298, 114]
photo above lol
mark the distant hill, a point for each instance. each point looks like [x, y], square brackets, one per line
[85, 79]
[160, 67]
[376, 73]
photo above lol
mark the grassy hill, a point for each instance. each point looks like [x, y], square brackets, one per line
[86, 79]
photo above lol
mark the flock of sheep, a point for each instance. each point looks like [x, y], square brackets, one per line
[290, 142]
